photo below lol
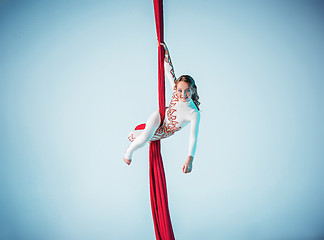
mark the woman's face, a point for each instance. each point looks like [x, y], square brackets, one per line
[184, 91]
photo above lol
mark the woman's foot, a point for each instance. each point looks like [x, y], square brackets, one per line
[127, 161]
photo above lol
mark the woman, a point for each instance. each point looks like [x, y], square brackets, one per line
[183, 108]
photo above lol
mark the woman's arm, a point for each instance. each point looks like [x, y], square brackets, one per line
[194, 128]
[169, 70]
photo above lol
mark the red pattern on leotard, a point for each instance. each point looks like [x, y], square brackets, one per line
[172, 69]
[168, 129]
[165, 130]
[131, 137]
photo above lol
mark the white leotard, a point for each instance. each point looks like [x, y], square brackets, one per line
[177, 116]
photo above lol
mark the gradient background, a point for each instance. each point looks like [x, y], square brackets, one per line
[77, 76]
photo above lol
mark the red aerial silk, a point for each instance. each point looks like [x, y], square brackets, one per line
[158, 190]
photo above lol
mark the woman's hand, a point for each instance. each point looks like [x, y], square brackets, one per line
[187, 166]
[166, 51]
[165, 48]
[162, 44]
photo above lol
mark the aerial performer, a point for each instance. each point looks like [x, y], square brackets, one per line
[183, 109]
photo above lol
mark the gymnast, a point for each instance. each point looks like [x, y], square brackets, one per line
[183, 108]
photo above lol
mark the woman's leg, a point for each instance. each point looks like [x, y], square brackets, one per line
[152, 125]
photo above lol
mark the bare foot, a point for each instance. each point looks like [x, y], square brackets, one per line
[127, 161]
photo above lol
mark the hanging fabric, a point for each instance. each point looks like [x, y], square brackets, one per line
[158, 191]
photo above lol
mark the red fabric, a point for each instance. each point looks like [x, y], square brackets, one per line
[140, 127]
[159, 197]
[158, 190]
[158, 10]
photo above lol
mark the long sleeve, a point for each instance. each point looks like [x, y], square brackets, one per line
[194, 128]
[169, 71]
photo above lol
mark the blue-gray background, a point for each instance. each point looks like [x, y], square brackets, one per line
[77, 76]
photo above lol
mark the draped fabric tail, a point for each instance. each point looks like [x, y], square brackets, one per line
[158, 191]
[159, 197]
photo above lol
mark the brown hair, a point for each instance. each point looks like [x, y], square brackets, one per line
[192, 84]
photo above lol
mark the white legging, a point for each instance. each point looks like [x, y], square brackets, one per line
[152, 124]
